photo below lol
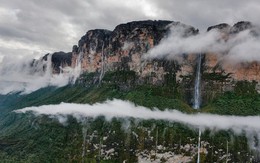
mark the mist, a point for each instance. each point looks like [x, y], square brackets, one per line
[25, 75]
[124, 109]
[241, 47]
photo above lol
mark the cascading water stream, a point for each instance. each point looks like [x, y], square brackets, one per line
[197, 98]
[102, 64]
[77, 70]
[198, 159]
[48, 70]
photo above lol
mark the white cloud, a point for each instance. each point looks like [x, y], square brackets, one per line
[57, 25]
[8, 14]
[124, 109]
[1, 58]
[243, 46]
[22, 75]
[176, 43]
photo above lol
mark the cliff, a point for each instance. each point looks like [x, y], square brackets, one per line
[100, 51]
[123, 48]
[113, 65]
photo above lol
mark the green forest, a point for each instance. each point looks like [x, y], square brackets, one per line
[31, 138]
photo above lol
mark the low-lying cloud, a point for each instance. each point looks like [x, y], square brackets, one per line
[26, 75]
[240, 47]
[124, 109]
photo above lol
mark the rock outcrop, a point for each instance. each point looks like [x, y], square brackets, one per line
[100, 51]
[124, 47]
[61, 59]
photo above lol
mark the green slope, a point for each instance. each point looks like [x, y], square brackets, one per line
[27, 138]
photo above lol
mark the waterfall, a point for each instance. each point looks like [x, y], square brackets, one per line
[102, 64]
[197, 99]
[197, 85]
[48, 70]
[77, 70]
[84, 132]
[198, 159]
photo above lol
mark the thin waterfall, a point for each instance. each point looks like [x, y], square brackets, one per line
[84, 132]
[198, 159]
[102, 64]
[48, 68]
[197, 98]
[77, 69]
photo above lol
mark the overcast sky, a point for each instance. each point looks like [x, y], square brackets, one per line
[35, 27]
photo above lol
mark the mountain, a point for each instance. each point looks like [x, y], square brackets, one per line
[152, 64]
[124, 48]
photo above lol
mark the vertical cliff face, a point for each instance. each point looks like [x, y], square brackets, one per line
[59, 60]
[92, 46]
[220, 74]
[238, 70]
[123, 49]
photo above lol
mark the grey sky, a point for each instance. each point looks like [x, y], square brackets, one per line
[35, 27]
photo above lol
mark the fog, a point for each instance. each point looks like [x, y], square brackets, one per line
[26, 75]
[243, 46]
[125, 109]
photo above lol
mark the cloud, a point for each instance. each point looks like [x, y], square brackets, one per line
[57, 25]
[124, 109]
[243, 46]
[29, 29]
[202, 14]
[26, 75]
[176, 43]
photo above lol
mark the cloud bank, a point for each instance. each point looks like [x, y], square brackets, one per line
[26, 75]
[243, 46]
[44, 26]
[124, 109]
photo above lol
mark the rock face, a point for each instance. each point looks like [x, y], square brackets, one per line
[124, 47]
[223, 27]
[100, 51]
[241, 26]
[61, 59]
[238, 71]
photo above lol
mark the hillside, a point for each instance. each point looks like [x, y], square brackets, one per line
[121, 64]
